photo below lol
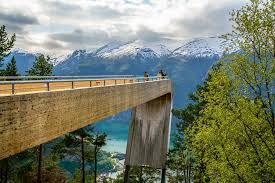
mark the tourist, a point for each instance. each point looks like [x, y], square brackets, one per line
[163, 75]
[159, 75]
[146, 76]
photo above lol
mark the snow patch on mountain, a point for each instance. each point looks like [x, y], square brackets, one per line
[57, 59]
[201, 47]
[133, 49]
[107, 48]
[162, 50]
[22, 52]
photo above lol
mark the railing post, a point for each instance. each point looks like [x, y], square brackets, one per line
[48, 86]
[12, 88]
[124, 81]
[72, 84]
[104, 82]
[115, 81]
[90, 83]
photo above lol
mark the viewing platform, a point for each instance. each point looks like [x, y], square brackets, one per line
[30, 84]
[35, 110]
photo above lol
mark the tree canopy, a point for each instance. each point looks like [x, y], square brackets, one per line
[229, 128]
[11, 69]
[6, 43]
[41, 67]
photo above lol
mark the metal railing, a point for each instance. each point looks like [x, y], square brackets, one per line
[27, 84]
[20, 78]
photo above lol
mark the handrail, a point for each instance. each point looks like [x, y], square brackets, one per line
[70, 80]
[72, 83]
[55, 77]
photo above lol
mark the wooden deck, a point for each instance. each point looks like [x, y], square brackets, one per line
[37, 86]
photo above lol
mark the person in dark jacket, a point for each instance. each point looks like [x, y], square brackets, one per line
[163, 75]
[159, 75]
[146, 76]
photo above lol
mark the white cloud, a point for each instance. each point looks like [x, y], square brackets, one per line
[99, 21]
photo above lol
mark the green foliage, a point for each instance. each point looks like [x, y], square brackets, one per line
[23, 168]
[41, 67]
[20, 165]
[11, 69]
[50, 172]
[232, 135]
[98, 140]
[6, 43]
[77, 177]
[181, 162]
[140, 174]
[71, 146]
[229, 129]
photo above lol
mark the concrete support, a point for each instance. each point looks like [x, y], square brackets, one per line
[149, 131]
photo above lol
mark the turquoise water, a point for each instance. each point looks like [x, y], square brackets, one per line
[116, 145]
[117, 132]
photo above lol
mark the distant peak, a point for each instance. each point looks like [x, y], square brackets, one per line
[20, 50]
[134, 48]
[108, 47]
[201, 47]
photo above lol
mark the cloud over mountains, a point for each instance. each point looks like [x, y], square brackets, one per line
[61, 26]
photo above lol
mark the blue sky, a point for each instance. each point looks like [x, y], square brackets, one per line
[51, 26]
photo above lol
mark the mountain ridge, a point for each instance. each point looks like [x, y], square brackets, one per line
[196, 47]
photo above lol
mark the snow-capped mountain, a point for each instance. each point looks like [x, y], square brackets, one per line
[198, 48]
[201, 47]
[21, 51]
[133, 49]
[107, 48]
[24, 59]
[137, 50]
[57, 59]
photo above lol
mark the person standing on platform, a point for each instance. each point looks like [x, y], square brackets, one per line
[159, 75]
[146, 76]
[163, 75]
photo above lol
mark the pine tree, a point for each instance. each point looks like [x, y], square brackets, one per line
[75, 143]
[6, 45]
[11, 69]
[41, 66]
[98, 141]
[83, 134]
